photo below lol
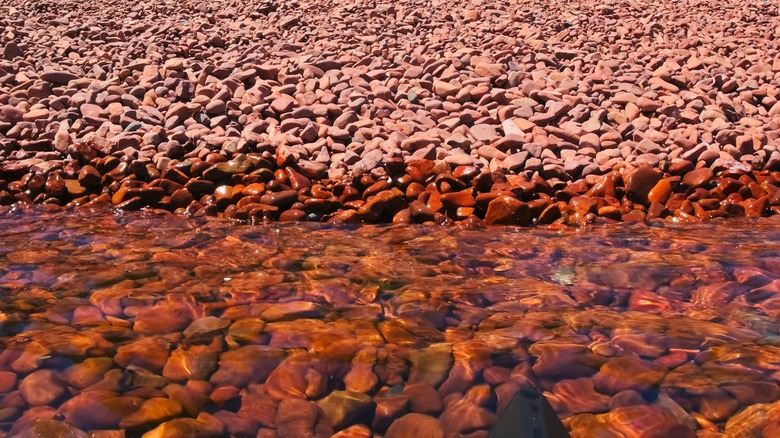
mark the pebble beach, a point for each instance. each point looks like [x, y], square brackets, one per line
[384, 219]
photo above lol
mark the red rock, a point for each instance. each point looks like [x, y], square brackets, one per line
[10, 114]
[417, 425]
[717, 404]
[238, 426]
[505, 210]
[698, 178]
[463, 198]
[164, 317]
[564, 360]
[194, 363]
[444, 89]
[640, 182]
[484, 133]
[152, 412]
[283, 104]
[579, 396]
[188, 428]
[148, 353]
[356, 431]
[288, 380]
[623, 373]
[580, 207]
[343, 408]
[423, 399]
[251, 363]
[646, 421]
[463, 416]
[88, 372]
[98, 409]
[89, 176]
[386, 203]
[660, 192]
[7, 382]
[301, 418]
[58, 77]
[258, 405]
[41, 388]
[389, 408]
[292, 310]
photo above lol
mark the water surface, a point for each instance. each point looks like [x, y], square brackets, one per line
[148, 322]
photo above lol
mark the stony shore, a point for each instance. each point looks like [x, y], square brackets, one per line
[413, 111]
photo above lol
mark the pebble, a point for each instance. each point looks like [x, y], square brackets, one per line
[152, 121]
[153, 411]
[417, 425]
[698, 178]
[248, 363]
[640, 182]
[343, 408]
[505, 210]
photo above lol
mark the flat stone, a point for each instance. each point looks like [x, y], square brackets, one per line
[58, 77]
[698, 178]
[152, 412]
[251, 363]
[292, 310]
[342, 408]
[417, 425]
[624, 373]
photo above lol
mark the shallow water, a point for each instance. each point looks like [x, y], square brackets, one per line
[128, 321]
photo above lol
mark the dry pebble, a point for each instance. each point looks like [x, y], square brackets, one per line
[295, 113]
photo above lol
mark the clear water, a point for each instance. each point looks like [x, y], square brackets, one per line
[629, 330]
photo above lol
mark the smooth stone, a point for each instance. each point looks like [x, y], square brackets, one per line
[622, 373]
[292, 310]
[431, 365]
[258, 405]
[660, 192]
[51, 429]
[463, 416]
[152, 412]
[416, 425]
[41, 388]
[251, 363]
[301, 418]
[88, 372]
[640, 182]
[98, 409]
[579, 396]
[423, 399]
[187, 428]
[646, 421]
[698, 178]
[196, 362]
[342, 408]
[505, 210]
[147, 353]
